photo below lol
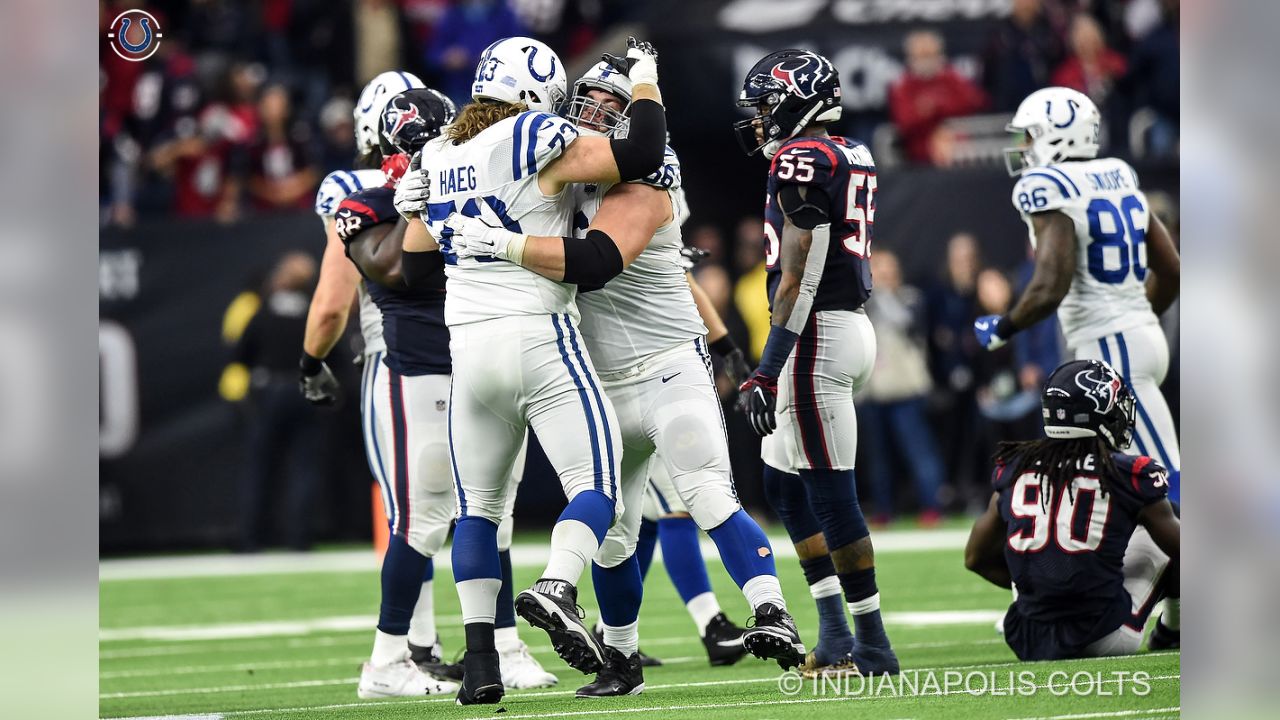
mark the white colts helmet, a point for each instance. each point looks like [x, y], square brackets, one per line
[588, 113]
[1057, 124]
[521, 69]
[373, 100]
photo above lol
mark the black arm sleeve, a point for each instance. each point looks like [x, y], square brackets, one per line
[641, 152]
[591, 261]
[804, 205]
[418, 266]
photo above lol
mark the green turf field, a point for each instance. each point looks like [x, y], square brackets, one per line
[290, 646]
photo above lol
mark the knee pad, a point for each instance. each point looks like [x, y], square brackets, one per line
[833, 496]
[433, 468]
[787, 496]
[689, 443]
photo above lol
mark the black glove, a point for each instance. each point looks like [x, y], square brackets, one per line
[316, 381]
[758, 399]
[690, 256]
[735, 362]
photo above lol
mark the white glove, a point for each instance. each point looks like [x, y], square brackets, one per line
[644, 62]
[473, 237]
[412, 193]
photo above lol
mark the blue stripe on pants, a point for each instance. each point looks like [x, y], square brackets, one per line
[586, 404]
[604, 417]
[1142, 412]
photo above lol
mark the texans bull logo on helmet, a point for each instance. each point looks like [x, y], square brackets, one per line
[1101, 388]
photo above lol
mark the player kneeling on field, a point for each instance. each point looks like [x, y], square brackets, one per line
[1086, 532]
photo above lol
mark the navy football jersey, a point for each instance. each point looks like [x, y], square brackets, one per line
[844, 170]
[412, 319]
[1066, 554]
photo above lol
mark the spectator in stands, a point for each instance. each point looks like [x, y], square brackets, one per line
[1153, 81]
[929, 92]
[749, 295]
[953, 353]
[1010, 409]
[337, 133]
[892, 410]
[1020, 54]
[709, 238]
[205, 155]
[1092, 68]
[284, 431]
[464, 32]
[282, 174]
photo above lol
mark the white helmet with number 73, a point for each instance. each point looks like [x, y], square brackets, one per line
[521, 69]
[1053, 124]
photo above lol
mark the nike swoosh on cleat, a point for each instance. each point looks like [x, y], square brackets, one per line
[669, 377]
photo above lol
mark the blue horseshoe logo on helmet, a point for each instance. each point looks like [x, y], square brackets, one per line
[147, 35]
[1071, 105]
[537, 75]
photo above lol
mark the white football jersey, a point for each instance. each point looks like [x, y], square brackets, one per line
[494, 176]
[649, 307]
[1110, 213]
[335, 188]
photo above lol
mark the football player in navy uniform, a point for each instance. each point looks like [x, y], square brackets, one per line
[415, 378]
[1086, 532]
[819, 216]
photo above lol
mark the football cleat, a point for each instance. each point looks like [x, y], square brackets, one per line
[771, 633]
[815, 668]
[520, 670]
[620, 675]
[552, 606]
[723, 641]
[399, 679]
[481, 679]
[874, 660]
[429, 660]
[645, 660]
[1162, 638]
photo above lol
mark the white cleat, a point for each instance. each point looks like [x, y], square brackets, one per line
[400, 679]
[519, 669]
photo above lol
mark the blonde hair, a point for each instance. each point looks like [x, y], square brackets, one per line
[476, 116]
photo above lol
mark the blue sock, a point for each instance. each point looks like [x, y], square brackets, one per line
[589, 507]
[683, 557]
[475, 550]
[741, 542]
[645, 545]
[860, 588]
[834, 637]
[619, 590]
[402, 570]
[505, 610]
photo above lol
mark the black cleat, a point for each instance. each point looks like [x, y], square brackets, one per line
[481, 679]
[552, 606]
[645, 660]
[619, 676]
[429, 661]
[771, 633]
[723, 641]
[1162, 638]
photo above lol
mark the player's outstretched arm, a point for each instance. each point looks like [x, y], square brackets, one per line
[377, 253]
[1165, 267]
[718, 338]
[331, 302]
[1055, 267]
[984, 553]
[629, 216]
[1166, 530]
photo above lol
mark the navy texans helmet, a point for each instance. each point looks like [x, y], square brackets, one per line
[788, 89]
[1088, 398]
[412, 118]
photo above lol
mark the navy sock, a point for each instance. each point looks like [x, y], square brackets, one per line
[743, 547]
[505, 610]
[683, 557]
[475, 550]
[402, 571]
[618, 591]
[858, 586]
[819, 568]
[645, 544]
[834, 638]
[833, 495]
[790, 502]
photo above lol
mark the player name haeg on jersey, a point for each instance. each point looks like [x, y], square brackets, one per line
[493, 177]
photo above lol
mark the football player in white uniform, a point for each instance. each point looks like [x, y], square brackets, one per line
[1103, 261]
[517, 359]
[648, 341]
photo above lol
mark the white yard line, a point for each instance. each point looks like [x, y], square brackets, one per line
[355, 623]
[1112, 714]
[522, 555]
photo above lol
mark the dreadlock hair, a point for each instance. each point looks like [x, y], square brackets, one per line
[1057, 462]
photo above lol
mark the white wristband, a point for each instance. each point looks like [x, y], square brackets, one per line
[514, 252]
